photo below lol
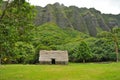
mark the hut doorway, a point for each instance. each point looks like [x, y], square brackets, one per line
[53, 61]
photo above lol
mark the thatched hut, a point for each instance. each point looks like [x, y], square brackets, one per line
[53, 57]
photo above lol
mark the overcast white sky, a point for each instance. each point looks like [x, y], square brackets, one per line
[105, 6]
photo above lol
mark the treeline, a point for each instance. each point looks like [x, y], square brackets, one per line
[21, 40]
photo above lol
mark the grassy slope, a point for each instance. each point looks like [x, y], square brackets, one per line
[89, 71]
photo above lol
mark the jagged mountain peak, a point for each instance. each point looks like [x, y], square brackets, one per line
[89, 21]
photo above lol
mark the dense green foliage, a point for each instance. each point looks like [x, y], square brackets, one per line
[91, 71]
[82, 52]
[16, 19]
[24, 52]
[21, 40]
[80, 46]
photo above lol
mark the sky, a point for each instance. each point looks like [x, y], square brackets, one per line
[105, 6]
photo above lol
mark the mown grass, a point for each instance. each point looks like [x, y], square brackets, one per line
[73, 71]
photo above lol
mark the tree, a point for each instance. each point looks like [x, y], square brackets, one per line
[114, 35]
[3, 8]
[24, 52]
[82, 52]
[103, 50]
[16, 18]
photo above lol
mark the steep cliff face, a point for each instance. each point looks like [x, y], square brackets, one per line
[89, 21]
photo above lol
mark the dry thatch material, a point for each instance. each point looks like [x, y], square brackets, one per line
[53, 57]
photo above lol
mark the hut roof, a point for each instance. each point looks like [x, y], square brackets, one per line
[58, 55]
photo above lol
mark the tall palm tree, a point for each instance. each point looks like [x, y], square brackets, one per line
[116, 35]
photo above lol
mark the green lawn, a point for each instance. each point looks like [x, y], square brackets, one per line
[73, 71]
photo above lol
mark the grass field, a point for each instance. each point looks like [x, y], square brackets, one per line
[73, 71]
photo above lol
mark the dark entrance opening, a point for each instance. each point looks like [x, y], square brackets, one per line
[53, 61]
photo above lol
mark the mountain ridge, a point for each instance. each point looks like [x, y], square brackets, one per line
[90, 21]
